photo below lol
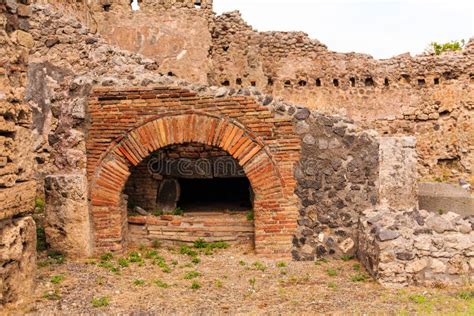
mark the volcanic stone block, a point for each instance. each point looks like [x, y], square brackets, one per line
[398, 175]
[67, 226]
[17, 260]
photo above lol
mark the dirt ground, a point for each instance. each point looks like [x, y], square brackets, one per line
[225, 281]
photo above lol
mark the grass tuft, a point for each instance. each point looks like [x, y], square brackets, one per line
[100, 302]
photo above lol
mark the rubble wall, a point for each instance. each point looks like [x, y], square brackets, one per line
[428, 96]
[17, 191]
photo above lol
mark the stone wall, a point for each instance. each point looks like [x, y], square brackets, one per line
[428, 96]
[337, 178]
[67, 223]
[17, 260]
[16, 161]
[402, 247]
[176, 34]
[17, 191]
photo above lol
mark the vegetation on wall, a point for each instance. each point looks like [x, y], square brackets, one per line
[439, 48]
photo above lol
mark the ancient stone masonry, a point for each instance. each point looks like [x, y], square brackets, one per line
[176, 34]
[17, 191]
[428, 96]
[409, 246]
[15, 160]
[337, 179]
[90, 97]
[17, 260]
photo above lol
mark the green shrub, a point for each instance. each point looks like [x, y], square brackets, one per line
[439, 48]
[356, 266]
[157, 212]
[259, 266]
[347, 258]
[281, 264]
[135, 257]
[331, 272]
[100, 302]
[56, 279]
[139, 282]
[360, 277]
[191, 275]
[151, 254]
[185, 250]
[242, 263]
[196, 260]
[250, 215]
[123, 262]
[195, 285]
[332, 285]
[252, 281]
[41, 243]
[39, 205]
[161, 284]
[320, 261]
[57, 257]
[178, 211]
[417, 298]
[107, 256]
[106, 265]
[466, 295]
[200, 243]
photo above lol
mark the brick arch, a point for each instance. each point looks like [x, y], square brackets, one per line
[273, 229]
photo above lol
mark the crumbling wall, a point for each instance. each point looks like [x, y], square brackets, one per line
[17, 260]
[16, 194]
[176, 34]
[428, 96]
[17, 191]
[403, 247]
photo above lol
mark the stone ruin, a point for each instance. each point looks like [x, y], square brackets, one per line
[93, 93]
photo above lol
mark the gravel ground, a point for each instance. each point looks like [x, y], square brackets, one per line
[226, 281]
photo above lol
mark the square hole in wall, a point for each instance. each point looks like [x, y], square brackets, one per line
[369, 82]
[318, 82]
[353, 81]
[335, 82]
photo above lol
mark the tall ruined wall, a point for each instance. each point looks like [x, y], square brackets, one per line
[15, 118]
[17, 192]
[430, 97]
[176, 34]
